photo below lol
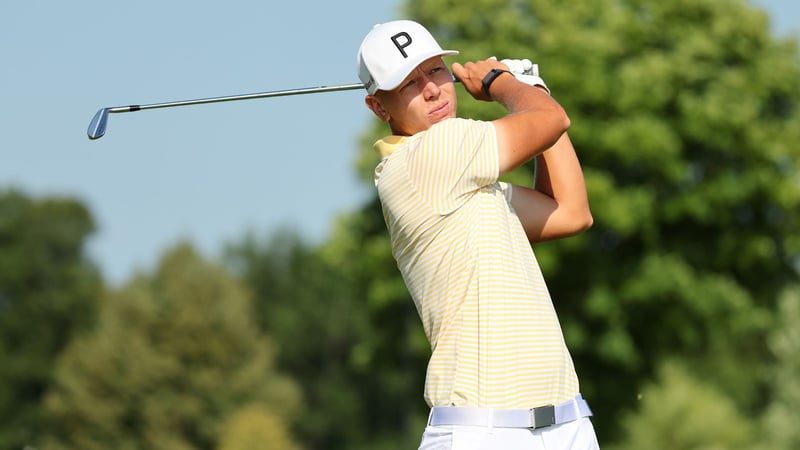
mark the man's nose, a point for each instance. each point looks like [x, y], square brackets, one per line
[431, 87]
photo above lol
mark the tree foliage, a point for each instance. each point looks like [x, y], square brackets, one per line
[783, 413]
[174, 355]
[253, 427]
[681, 412]
[48, 292]
[347, 330]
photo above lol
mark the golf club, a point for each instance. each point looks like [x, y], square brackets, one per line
[97, 127]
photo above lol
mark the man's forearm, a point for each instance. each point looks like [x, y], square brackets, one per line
[558, 205]
[559, 174]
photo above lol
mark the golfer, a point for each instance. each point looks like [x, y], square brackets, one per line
[500, 375]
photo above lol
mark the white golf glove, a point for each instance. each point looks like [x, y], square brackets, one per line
[521, 66]
[526, 71]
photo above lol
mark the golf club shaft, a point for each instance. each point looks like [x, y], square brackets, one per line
[97, 127]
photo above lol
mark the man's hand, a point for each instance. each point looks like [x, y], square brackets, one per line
[471, 75]
[521, 66]
[526, 71]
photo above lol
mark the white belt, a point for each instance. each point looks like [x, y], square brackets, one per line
[532, 418]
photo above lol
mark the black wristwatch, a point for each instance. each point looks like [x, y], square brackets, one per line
[489, 79]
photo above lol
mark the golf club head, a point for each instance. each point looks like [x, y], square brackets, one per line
[97, 127]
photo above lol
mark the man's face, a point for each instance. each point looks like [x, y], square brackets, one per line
[425, 97]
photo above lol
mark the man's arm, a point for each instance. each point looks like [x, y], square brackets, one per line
[534, 123]
[534, 128]
[558, 206]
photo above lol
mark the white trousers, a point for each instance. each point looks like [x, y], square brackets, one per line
[576, 435]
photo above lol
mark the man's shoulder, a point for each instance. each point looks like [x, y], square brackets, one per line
[457, 123]
[451, 129]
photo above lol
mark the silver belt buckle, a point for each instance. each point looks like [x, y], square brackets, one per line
[543, 416]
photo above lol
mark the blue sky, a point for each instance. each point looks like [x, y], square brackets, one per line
[207, 173]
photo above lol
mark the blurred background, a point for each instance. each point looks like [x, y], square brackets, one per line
[219, 276]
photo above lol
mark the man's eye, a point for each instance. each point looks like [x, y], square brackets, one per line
[409, 84]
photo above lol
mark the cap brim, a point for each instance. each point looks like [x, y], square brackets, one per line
[412, 64]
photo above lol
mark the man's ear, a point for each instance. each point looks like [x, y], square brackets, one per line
[374, 104]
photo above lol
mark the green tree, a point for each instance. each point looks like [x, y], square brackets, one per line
[681, 412]
[255, 427]
[173, 356]
[685, 116]
[783, 413]
[48, 292]
[348, 332]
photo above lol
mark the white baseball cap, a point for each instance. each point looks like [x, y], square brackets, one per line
[391, 50]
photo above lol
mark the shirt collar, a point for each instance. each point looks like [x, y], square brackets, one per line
[387, 145]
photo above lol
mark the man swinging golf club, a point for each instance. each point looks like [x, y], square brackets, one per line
[500, 375]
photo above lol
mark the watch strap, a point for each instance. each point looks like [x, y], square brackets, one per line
[489, 79]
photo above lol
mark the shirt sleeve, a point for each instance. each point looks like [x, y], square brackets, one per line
[452, 161]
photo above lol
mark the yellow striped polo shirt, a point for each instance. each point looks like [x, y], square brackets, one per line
[464, 256]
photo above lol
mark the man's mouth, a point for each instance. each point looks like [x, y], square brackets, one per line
[441, 110]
